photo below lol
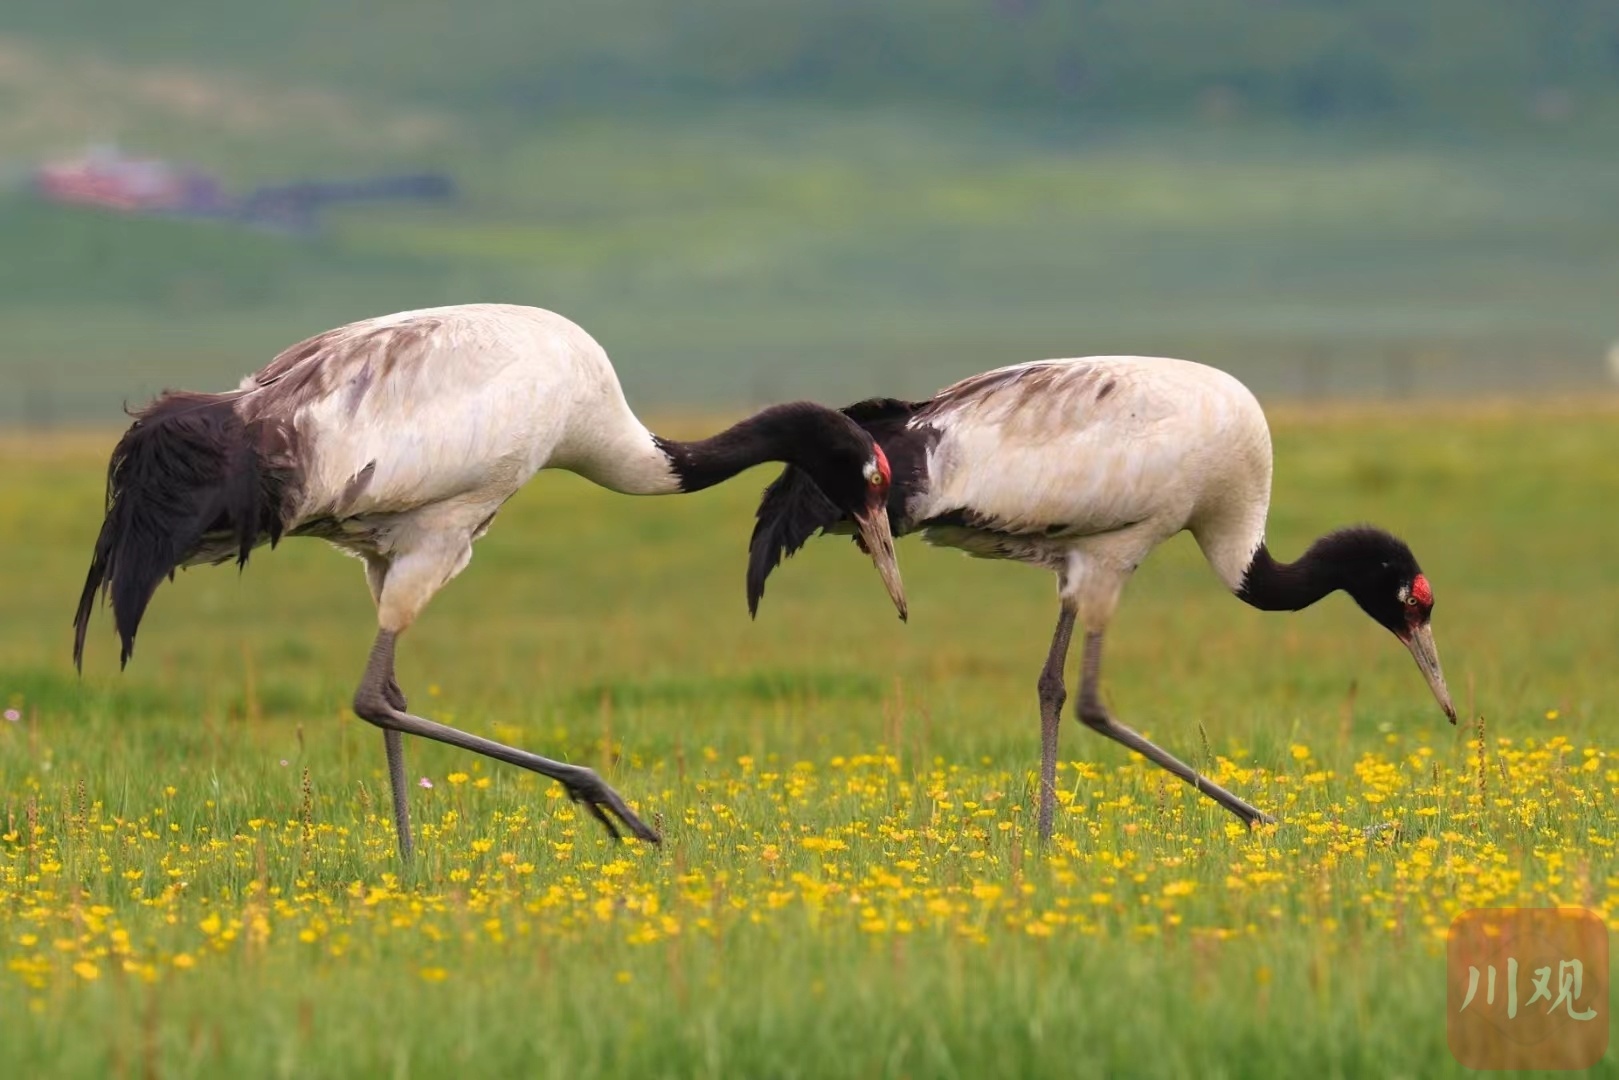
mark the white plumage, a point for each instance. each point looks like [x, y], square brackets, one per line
[1121, 452]
[492, 393]
[420, 425]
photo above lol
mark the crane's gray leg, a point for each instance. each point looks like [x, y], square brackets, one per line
[583, 785]
[1095, 715]
[393, 743]
[1052, 696]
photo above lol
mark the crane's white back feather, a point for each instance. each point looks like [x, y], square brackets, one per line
[1059, 451]
[455, 405]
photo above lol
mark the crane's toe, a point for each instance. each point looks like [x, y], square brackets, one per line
[1390, 829]
[590, 789]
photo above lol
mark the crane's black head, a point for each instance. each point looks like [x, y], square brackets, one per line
[843, 460]
[851, 471]
[1381, 574]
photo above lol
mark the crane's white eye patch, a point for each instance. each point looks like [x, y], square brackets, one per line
[874, 475]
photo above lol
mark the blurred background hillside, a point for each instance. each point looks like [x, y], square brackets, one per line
[747, 200]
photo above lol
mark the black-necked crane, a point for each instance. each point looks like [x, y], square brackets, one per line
[1083, 466]
[397, 439]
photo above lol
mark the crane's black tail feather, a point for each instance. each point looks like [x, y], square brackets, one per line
[792, 510]
[189, 467]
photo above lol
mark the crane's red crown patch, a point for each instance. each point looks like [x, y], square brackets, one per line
[1422, 591]
[888, 476]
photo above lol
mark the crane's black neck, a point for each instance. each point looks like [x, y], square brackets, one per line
[1277, 586]
[1347, 559]
[817, 439]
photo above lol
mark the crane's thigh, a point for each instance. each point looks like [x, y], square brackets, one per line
[1091, 586]
[414, 576]
[376, 573]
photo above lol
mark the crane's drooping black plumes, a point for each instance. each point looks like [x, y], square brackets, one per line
[792, 510]
[188, 468]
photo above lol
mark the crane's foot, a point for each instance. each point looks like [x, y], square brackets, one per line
[1389, 828]
[1252, 816]
[591, 790]
[379, 701]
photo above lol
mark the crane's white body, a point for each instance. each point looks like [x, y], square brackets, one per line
[398, 439]
[414, 428]
[1084, 465]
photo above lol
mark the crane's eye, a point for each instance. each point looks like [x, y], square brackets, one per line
[1410, 601]
[873, 476]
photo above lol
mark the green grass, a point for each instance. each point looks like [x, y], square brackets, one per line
[822, 775]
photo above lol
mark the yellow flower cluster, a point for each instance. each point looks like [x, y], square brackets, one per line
[1398, 844]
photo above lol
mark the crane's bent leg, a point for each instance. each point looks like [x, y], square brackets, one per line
[393, 743]
[376, 579]
[1052, 696]
[1095, 715]
[583, 785]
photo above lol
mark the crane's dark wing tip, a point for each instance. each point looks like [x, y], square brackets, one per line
[792, 510]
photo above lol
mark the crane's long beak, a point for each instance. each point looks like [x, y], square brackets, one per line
[1420, 642]
[878, 540]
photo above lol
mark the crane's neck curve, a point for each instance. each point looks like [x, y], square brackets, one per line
[1352, 559]
[621, 454]
[797, 433]
[1277, 586]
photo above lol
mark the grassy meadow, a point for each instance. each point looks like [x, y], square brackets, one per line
[197, 867]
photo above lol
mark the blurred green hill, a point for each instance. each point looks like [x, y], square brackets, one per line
[747, 201]
[1442, 59]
